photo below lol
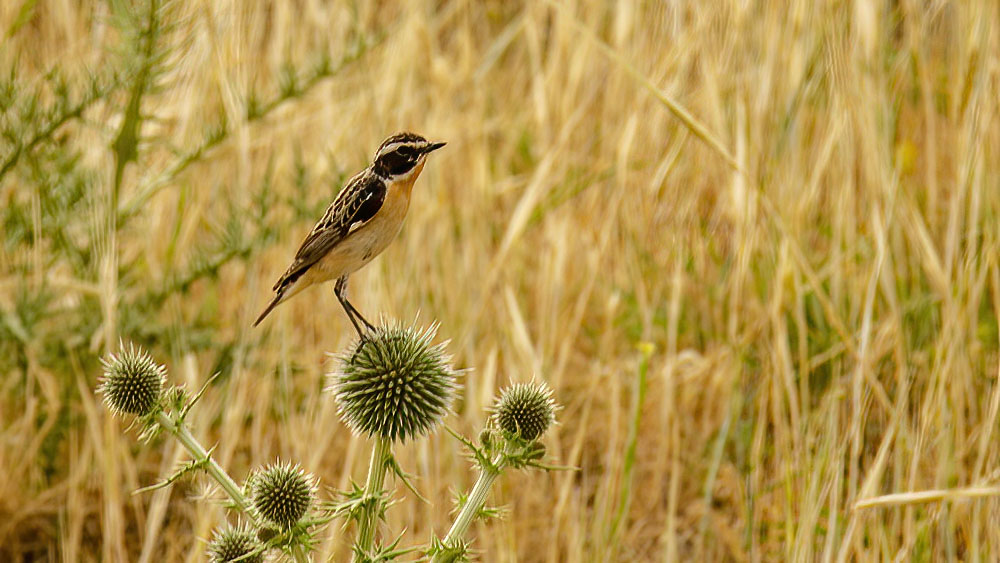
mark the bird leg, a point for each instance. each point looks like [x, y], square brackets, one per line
[340, 290]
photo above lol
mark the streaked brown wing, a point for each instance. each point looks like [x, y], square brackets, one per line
[356, 204]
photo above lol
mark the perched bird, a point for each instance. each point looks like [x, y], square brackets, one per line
[364, 218]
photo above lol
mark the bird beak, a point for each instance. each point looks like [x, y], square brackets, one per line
[433, 147]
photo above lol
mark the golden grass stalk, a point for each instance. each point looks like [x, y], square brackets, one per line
[922, 497]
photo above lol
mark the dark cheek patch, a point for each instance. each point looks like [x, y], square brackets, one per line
[403, 167]
[396, 163]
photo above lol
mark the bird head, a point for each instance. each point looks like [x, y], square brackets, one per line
[402, 155]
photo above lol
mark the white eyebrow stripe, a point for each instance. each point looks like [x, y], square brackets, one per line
[393, 146]
[388, 149]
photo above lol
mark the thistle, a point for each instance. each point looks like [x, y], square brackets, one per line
[132, 382]
[235, 543]
[281, 494]
[525, 410]
[391, 385]
[394, 384]
[522, 413]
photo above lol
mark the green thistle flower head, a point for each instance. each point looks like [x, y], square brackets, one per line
[281, 493]
[525, 410]
[132, 382]
[234, 542]
[394, 384]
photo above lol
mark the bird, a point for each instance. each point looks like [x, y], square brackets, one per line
[363, 219]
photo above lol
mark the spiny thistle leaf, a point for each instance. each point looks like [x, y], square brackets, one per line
[525, 410]
[189, 467]
[394, 384]
[132, 382]
[235, 543]
[453, 553]
[281, 493]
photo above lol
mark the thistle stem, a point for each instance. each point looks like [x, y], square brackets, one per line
[373, 495]
[475, 502]
[183, 435]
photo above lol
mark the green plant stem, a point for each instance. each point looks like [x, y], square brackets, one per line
[373, 494]
[628, 468]
[299, 86]
[180, 431]
[473, 505]
[97, 91]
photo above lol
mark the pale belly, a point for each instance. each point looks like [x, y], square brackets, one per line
[363, 245]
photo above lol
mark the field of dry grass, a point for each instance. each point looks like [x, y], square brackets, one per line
[794, 211]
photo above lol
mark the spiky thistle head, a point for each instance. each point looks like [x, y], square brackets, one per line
[132, 382]
[394, 384]
[525, 410]
[233, 543]
[281, 493]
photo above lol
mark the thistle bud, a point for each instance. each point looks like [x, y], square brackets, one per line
[132, 382]
[525, 410]
[281, 493]
[234, 543]
[486, 438]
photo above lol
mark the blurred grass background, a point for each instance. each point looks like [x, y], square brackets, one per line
[809, 260]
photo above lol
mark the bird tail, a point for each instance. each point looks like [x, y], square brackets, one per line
[270, 306]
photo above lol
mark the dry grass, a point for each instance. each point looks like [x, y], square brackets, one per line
[823, 315]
